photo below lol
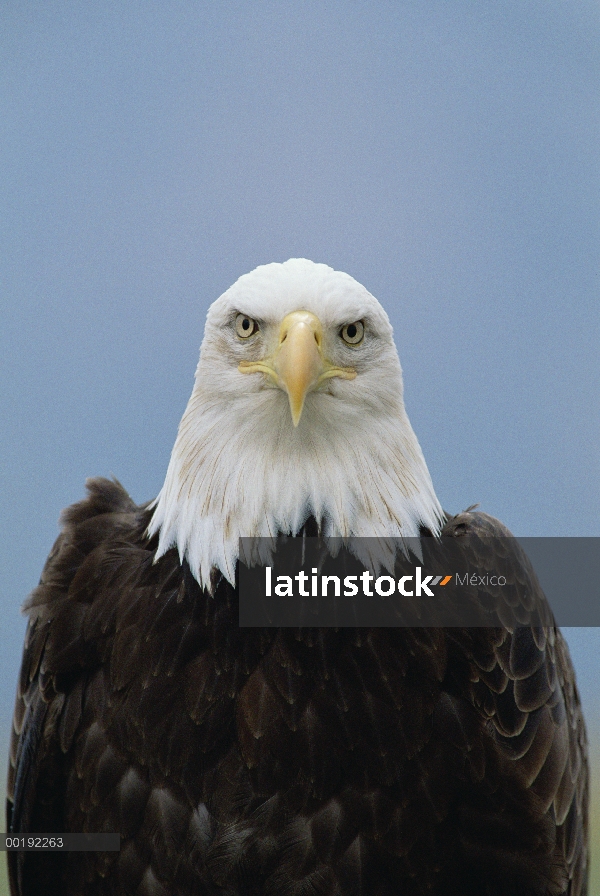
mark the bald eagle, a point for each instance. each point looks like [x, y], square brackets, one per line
[286, 762]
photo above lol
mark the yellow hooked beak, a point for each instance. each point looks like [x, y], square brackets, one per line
[298, 365]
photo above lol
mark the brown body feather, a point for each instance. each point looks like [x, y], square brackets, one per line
[280, 762]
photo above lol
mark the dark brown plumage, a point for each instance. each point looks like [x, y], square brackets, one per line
[295, 762]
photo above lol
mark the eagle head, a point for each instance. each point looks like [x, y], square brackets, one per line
[297, 410]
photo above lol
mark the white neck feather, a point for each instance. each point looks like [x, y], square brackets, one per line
[240, 468]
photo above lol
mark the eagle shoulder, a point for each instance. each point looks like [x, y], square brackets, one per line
[63, 665]
[522, 684]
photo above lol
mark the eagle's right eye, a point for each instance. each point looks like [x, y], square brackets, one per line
[245, 326]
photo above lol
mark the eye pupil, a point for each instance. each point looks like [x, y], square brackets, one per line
[352, 331]
[245, 324]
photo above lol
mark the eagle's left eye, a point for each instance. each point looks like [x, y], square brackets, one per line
[353, 333]
[245, 326]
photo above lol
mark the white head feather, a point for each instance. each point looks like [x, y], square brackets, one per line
[240, 467]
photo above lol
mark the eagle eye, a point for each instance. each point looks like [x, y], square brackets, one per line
[245, 326]
[353, 333]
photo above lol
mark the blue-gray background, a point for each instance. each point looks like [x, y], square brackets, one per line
[446, 154]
